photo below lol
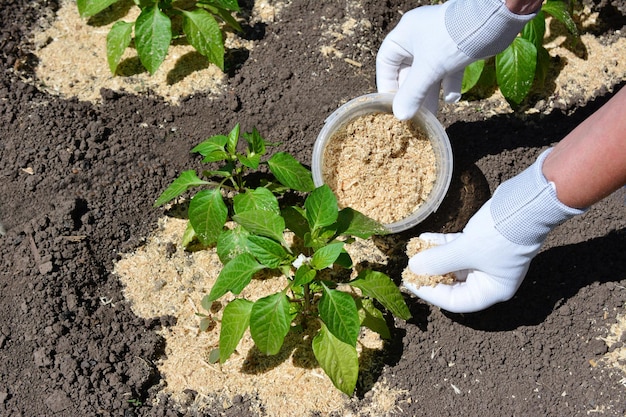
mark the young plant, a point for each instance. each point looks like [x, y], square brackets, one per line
[157, 25]
[208, 209]
[526, 60]
[331, 305]
[320, 295]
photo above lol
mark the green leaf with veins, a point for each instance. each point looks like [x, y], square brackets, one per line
[321, 207]
[338, 359]
[208, 214]
[326, 255]
[338, 311]
[181, 184]
[204, 33]
[153, 34]
[262, 222]
[380, 287]
[258, 199]
[290, 172]
[235, 276]
[515, 69]
[118, 39]
[235, 321]
[270, 321]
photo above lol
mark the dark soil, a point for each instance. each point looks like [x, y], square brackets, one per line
[69, 343]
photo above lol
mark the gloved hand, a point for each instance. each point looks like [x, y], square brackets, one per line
[491, 256]
[432, 45]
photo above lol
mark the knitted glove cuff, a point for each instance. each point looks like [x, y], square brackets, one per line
[483, 28]
[526, 208]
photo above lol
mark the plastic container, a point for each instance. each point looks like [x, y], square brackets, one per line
[376, 103]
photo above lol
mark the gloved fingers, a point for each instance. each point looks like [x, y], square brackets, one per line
[451, 256]
[390, 60]
[431, 101]
[413, 91]
[439, 238]
[478, 292]
[451, 86]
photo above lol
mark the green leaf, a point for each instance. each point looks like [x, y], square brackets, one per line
[181, 184]
[258, 199]
[267, 251]
[231, 243]
[264, 223]
[233, 139]
[373, 318]
[229, 19]
[560, 11]
[291, 173]
[303, 276]
[296, 221]
[235, 276]
[210, 145]
[321, 207]
[256, 143]
[188, 235]
[535, 30]
[326, 255]
[471, 75]
[153, 34]
[231, 5]
[515, 69]
[339, 360]
[87, 8]
[338, 311]
[203, 33]
[235, 321]
[208, 214]
[351, 222]
[380, 287]
[251, 161]
[270, 322]
[118, 39]
[543, 65]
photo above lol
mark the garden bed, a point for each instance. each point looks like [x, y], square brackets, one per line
[79, 175]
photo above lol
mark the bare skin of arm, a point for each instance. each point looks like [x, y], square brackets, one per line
[590, 162]
[523, 6]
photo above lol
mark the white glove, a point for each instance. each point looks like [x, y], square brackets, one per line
[432, 45]
[491, 256]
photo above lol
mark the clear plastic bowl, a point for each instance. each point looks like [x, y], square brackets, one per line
[375, 103]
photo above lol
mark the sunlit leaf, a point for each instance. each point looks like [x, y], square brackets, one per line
[290, 172]
[235, 276]
[270, 321]
[380, 287]
[235, 321]
[338, 311]
[326, 255]
[181, 184]
[153, 34]
[515, 69]
[262, 222]
[338, 359]
[87, 8]
[208, 214]
[321, 207]
[203, 33]
[471, 75]
[118, 39]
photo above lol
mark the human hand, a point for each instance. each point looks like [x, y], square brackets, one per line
[491, 256]
[431, 46]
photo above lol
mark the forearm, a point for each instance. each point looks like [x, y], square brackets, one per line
[590, 162]
[523, 6]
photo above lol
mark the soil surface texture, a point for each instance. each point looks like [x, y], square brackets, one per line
[78, 179]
